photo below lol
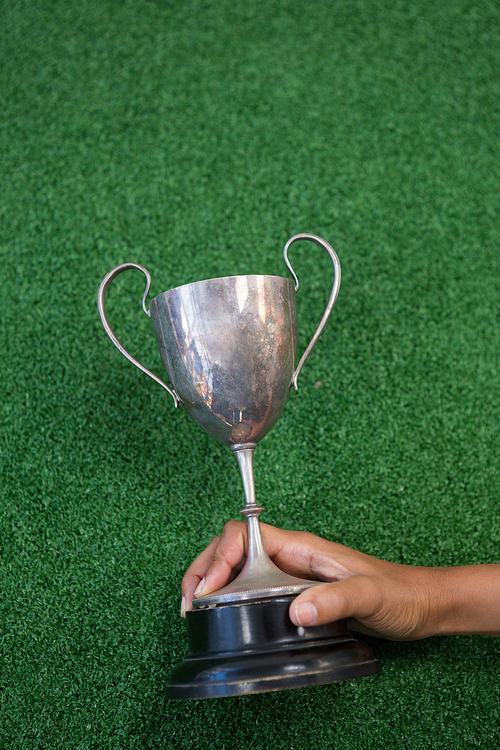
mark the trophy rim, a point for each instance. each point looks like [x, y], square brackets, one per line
[224, 278]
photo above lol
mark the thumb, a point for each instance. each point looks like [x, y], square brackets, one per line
[356, 596]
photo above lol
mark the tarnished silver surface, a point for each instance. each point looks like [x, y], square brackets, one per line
[229, 347]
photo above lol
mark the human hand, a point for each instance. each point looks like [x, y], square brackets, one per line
[376, 597]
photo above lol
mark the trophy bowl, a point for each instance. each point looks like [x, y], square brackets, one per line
[229, 348]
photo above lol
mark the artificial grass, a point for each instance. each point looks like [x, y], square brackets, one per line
[195, 138]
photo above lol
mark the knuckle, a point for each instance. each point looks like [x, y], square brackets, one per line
[232, 526]
[218, 556]
[221, 557]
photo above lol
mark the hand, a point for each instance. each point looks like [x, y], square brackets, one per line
[377, 597]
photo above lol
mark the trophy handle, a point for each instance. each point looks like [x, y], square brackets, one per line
[101, 294]
[333, 295]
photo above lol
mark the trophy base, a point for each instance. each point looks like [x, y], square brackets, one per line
[253, 647]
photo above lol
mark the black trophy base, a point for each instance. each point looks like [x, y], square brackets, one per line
[253, 647]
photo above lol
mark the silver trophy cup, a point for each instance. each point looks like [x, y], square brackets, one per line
[229, 348]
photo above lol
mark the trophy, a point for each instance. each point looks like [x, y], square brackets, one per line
[229, 348]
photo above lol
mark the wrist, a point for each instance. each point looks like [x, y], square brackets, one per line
[463, 600]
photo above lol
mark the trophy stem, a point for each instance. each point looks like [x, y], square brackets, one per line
[260, 578]
[252, 510]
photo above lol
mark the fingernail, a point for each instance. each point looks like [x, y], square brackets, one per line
[306, 613]
[183, 606]
[200, 587]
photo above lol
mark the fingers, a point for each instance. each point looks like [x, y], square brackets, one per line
[355, 597]
[215, 566]
[290, 550]
[305, 555]
[195, 573]
[227, 555]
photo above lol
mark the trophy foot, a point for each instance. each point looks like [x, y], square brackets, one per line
[255, 584]
[253, 647]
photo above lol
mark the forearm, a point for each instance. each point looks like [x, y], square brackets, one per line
[464, 600]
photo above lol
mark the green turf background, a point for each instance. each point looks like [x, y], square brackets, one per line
[195, 137]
